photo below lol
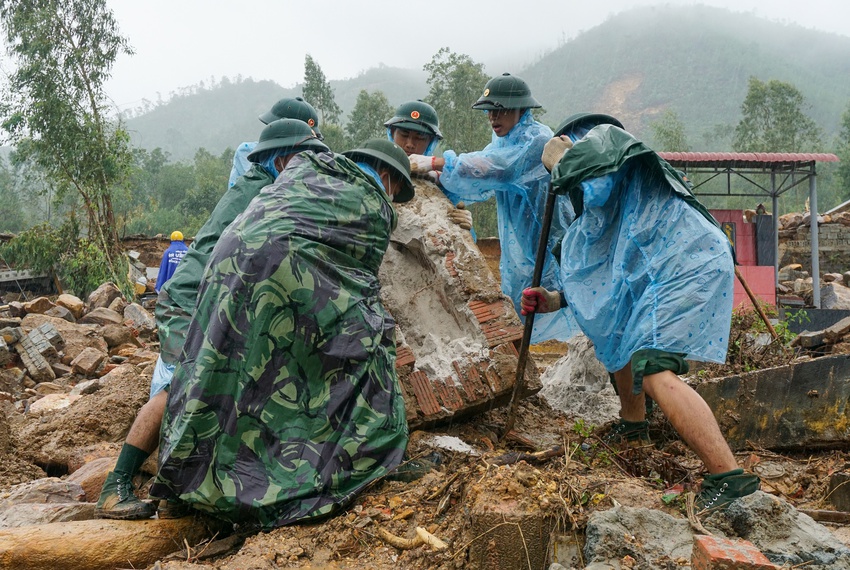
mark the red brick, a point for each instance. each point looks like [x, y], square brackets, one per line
[424, 393]
[471, 382]
[715, 553]
[448, 394]
[404, 356]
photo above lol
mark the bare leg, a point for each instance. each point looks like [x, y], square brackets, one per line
[691, 417]
[632, 406]
[144, 433]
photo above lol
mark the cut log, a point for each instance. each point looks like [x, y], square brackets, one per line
[100, 544]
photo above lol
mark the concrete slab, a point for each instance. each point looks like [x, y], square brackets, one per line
[802, 405]
[457, 334]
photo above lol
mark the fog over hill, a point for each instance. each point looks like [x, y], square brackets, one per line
[694, 60]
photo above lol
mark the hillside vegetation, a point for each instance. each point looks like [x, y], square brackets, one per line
[695, 61]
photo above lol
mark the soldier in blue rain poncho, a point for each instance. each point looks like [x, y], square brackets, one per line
[286, 108]
[648, 275]
[510, 169]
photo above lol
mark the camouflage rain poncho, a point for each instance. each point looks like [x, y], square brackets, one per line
[285, 402]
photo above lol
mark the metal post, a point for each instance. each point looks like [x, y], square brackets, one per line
[813, 211]
[775, 199]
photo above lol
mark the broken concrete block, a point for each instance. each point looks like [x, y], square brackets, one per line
[60, 313]
[715, 553]
[51, 335]
[38, 305]
[101, 316]
[10, 322]
[839, 490]
[88, 361]
[524, 539]
[72, 303]
[60, 369]
[103, 296]
[16, 309]
[116, 335]
[37, 365]
[456, 330]
[139, 318]
[12, 334]
[52, 402]
[801, 405]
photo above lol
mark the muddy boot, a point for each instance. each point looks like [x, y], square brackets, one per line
[173, 510]
[117, 500]
[413, 469]
[625, 431]
[717, 491]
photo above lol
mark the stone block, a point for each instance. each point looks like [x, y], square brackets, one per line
[88, 361]
[101, 316]
[12, 334]
[103, 295]
[37, 365]
[5, 352]
[72, 303]
[38, 305]
[839, 490]
[139, 318]
[61, 313]
[60, 369]
[714, 553]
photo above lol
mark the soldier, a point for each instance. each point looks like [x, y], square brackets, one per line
[510, 169]
[416, 129]
[286, 108]
[285, 402]
[279, 141]
[648, 274]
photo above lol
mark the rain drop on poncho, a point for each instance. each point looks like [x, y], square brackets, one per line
[510, 168]
[644, 265]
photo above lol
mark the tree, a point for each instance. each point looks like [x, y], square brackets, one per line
[55, 107]
[367, 118]
[669, 133]
[843, 152]
[318, 92]
[13, 217]
[773, 120]
[455, 83]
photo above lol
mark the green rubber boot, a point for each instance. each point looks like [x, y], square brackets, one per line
[717, 491]
[117, 500]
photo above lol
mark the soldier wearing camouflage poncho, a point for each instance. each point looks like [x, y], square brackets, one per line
[285, 402]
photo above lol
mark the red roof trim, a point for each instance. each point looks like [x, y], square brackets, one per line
[763, 157]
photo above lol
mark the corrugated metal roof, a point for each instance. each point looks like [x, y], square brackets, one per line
[744, 158]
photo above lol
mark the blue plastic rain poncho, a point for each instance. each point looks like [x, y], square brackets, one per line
[644, 265]
[241, 164]
[511, 169]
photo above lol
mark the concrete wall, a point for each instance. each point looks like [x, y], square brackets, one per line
[833, 246]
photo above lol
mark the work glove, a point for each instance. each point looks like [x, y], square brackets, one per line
[554, 150]
[421, 165]
[461, 216]
[539, 300]
[434, 176]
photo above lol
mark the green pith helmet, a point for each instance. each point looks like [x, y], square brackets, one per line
[416, 116]
[506, 92]
[296, 108]
[591, 118]
[287, 134]
[390, 154]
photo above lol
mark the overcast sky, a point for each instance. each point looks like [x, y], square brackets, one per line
[179, 43]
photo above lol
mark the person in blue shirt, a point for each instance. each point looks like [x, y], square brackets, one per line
[170, 259]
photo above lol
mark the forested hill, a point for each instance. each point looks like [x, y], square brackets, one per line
[694, 60]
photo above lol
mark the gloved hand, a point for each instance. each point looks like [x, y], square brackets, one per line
[554, 150]
[421, 164]
[433, 176]
[539, 300]
[461, 216]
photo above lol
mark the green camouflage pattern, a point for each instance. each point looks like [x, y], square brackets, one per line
[285, 402]
[176, 301]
